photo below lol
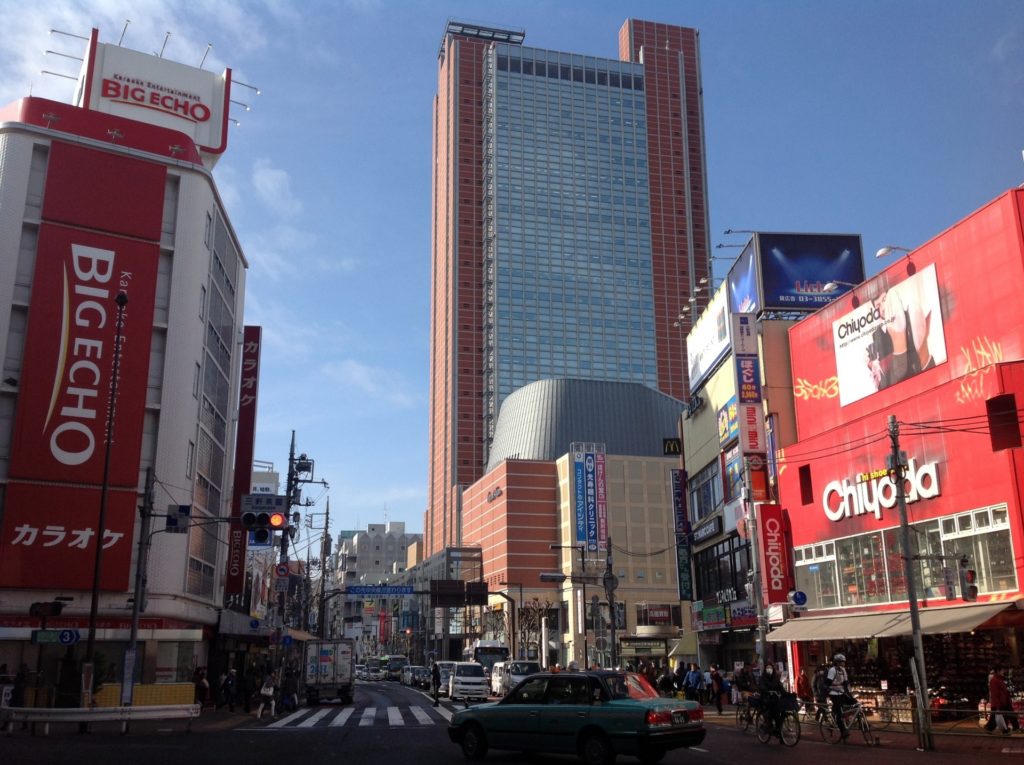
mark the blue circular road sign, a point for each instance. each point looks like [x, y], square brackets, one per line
[68, 637]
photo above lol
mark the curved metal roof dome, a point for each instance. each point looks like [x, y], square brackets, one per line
[540, 420]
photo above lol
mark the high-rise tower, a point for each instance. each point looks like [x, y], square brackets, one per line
[569, 229]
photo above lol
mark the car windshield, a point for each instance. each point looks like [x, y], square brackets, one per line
[629, 685]
[470, 670]
[524, 668]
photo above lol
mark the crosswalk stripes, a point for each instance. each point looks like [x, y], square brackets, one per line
[309, 722]
[284, 721]
[335, 717]
[421, 716]
[342, 717]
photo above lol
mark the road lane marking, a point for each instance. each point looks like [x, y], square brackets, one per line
[342, 718]
[395, 716]
[290, 718]
[368, 715]
[314, 719]
[421, 715]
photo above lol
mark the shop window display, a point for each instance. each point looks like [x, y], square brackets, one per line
[868, 568]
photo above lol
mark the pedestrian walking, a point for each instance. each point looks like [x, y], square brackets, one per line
[229, 690]
[718, 687]
[290, 691]
[693, 683]
[435, 680]
[666, 682]
[202, 688]
[268, 695]
[1000, 705]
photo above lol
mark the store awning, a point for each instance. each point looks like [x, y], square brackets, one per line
[887, 624]
[300, 636]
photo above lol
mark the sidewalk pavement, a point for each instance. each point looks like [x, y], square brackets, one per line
[210, 720]
[946, 737]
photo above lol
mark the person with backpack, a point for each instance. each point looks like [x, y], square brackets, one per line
[839, 692]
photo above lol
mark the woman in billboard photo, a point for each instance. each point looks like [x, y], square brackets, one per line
[899, 347]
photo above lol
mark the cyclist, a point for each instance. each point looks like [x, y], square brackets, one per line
[839, 692]
[770, 687]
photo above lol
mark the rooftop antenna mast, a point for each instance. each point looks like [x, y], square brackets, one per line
[209, 47]
[125, 29]
[164, 46]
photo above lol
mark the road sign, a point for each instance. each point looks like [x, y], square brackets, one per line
[281, 569]
[287, 640]
[281, 584]
[379, 589]
[69, 637]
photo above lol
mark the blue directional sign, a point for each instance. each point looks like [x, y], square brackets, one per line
[287, 640]
[68, 637]
[379, 589]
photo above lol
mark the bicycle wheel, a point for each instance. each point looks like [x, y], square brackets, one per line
[789, 729]
[743, 717]
[762, 728]
[865, 729]
[829, 730]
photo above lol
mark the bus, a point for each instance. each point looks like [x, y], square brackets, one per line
[393, 664]
[486, 652]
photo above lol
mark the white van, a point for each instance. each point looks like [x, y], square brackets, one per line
[505, 675]
[467, 681]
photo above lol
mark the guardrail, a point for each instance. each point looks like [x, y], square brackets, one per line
[124, 715]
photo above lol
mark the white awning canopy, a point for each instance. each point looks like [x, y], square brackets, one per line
[887, 624]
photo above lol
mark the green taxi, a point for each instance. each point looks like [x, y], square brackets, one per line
[596, 715]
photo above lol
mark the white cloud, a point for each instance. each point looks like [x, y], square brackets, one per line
[375, 382]
[273, 186]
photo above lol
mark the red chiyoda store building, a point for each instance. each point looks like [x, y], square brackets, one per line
[930, 340]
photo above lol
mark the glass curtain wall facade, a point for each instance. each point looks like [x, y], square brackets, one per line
[566, 221]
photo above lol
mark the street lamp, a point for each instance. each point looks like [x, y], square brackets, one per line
[583, 568]
[90, 646]
[516, 605]
[835, 284]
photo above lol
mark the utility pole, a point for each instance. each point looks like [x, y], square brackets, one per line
[324, 551]
[141, 564]
[897, 465]
[611, 582]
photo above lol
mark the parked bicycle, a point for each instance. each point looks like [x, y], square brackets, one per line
[855, 718]
[787, 727]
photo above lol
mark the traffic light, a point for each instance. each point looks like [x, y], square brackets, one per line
[968, 580]
[263, 525]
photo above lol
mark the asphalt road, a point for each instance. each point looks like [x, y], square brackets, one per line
[391, 723]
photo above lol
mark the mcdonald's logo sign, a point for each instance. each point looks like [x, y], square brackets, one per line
[671, 446]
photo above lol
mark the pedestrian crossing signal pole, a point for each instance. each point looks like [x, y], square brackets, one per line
[897, 466]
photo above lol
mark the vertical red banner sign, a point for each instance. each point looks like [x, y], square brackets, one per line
[99, 236]
[234, 582]
[49, 531]
[774, 553]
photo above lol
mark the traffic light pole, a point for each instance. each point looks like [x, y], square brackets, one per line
[897, 471]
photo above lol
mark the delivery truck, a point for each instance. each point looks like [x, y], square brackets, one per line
[330, 670]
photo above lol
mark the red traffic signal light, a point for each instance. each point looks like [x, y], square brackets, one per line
[277, 520]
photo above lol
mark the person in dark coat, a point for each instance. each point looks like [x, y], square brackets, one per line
[435, 680]
[1000, 704]
[20, 683]
[290, 691]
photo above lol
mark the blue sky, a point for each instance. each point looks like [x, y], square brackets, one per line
[889, 119]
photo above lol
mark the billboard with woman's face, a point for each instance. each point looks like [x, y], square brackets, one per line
[890, 338]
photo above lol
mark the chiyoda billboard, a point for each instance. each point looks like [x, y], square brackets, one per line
[893, 337]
